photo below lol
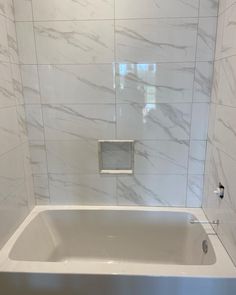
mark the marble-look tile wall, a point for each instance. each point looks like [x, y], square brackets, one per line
[16, 193]
[117, 69]
[221, 146]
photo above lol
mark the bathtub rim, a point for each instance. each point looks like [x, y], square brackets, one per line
[223, 268]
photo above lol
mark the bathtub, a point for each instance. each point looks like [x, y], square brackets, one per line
[136, 241]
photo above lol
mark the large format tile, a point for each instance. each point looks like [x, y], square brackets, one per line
[152, 190]
[153, 9]
[30, 83]
[72, 157]
[209, 7]
[147, 41]
[77, 83]
[197, 154]
[4, 54]
[153, 121]
[22, 10]
[203, 81]
[82, 189]
[66, 122]
[35, 123]
[74, 42]
[9, 135]
[206, 39]
[72, 10]
[195, 191]
[153, 83]
[7, 93]
[161, 157]
[199, 126]
[12, 41]
[225, 126]
[38, 157]
[26, 42]
[41, 189]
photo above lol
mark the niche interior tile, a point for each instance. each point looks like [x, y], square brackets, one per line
[35, 124]
[77, 83]
[73, 10]
[152, 9]
[203, 81]
[199, 124]
[26, 43]
[8, 129]
[206, 39]
[23, 10]
[153, 83]
[152, 190]
[30, 84]
[66, 122]
[74, 42]
[197, 154]
[82, 189]
[72, 157]
[38, 157]
[153, 121]
[161, 157]
[153, 40]
[195, 191]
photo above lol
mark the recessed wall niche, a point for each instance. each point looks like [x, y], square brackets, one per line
[116, 156]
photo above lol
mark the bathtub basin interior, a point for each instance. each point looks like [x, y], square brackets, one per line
[113, 235]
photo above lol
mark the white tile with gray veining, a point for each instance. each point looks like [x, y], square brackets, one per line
[225, 130]
[208, 8]
[197, 154]
[203, 81]
[38, 157]
[72, 157]
[147, 41]
[22, 123]
[152, 190]
[9, 135]
[153, 83]
[155, 8]
[206, 39]
[41, 189]
[66, 122]
[227, 82]
[26, 43]
[35, 122]
[17, 84]
[7, 93]
[23, 10]
[12, 41]
[30, 83]
[77, 83]
[153, 121]
[45, 10]
[74, 42]
[4, 53]
[82, 189]
[199, 125]
[195, 191]
[161, 157]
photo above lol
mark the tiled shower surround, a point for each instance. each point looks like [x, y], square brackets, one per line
[16, 183]
[221, 151]
[117, 70]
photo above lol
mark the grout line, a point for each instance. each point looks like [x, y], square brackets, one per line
[118, 19]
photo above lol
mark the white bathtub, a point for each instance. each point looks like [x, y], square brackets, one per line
[116, 240]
